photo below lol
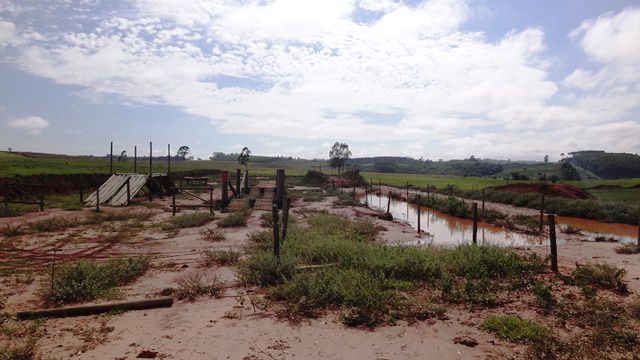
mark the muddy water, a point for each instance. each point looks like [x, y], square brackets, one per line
[446, 229]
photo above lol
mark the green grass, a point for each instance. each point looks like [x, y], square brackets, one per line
[234, 219]
[630, 196]
[219, 257]
[604, 276]
[85, 281]
[192, 286]
[515, 328]
[188, 220]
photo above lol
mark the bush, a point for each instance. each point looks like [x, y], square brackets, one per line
[604, 276]
[84, 281]
[12, 231]
[219, 257]
[515, 328]
[314, 178]
[628, 249]
[188, 220]
[234, 219]
[214, 235]
[191, 286]
[544, 296]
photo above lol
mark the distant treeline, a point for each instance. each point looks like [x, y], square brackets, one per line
[396, 164]
[607, 165]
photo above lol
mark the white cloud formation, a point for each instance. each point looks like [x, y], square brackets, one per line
[32, 124]
[306, 70]
[7, 33]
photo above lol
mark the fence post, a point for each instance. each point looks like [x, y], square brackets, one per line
[111, 160]
[128, 192]
[389, 202]
[81, 194]
[419, 211]
[173, 203]
[285, 218]
[238, 183]
[98, 199]
[211, 200]
[168, 159]
[135, 159]
[541, 212]
[379, 186]
[475, 223]
[552, 242]
[482, 202]
[150, 160]
[225, 188]
[41, 196]
[407, 191]
[276, 231]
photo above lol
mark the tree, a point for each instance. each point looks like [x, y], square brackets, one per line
[569, 172]
[183, 151]
[546, 159]
[123, 156]
[243, 158]
[338, 155]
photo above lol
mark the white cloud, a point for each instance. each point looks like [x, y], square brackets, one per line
[7, 33]
[306, 70]
[32, 124]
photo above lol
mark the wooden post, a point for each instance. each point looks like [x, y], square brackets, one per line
[379, 187]
[419, 211]
[111, 160]
[388, 202]
[225, 188]
[246, 182]
[407, 191]
[280, 187]
[41, 196]
[53, 270]
[482, 202]
[238, 182]
[128, 192]
[285, 217]
[552, 242]
[354, 191]
[135, 159]
[638, 225]
[173, 203]
[541, 212]
[168, 159]
[475, 223]
[211, 200]
[276, 231]
[81, 194]
[150, 160]
[98, 199]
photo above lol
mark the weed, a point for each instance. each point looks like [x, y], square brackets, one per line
[213, 235]
[570, 229]
[544, 296]
[266, 220]
[53, 224]
[604, 276]
[515, 328]
[191, 286]
[219, 257]
[26, 350]
[83, 280]
[12, 231]
[188, 220]
[234, 219]
[628, 249]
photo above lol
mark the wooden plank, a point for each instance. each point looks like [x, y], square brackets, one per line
[91, 309]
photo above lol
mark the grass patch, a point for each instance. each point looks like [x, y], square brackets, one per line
[603, 276]
[515, 328]
[12, 231]
[234, 219]
[53, 224]
[213, 235]
[193, 285]
[219, 257]
[188, 220]
[85, 281]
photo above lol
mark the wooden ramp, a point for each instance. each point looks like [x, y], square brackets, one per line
[114, 191]
[263, 198]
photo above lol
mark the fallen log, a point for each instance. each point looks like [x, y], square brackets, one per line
[92, 309]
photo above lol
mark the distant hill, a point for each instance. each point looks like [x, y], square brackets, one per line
[398, 164]
[607, 165]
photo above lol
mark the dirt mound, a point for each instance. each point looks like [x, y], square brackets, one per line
[560, 190]
[348, 179]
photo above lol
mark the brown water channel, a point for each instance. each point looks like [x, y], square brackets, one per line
[446, 229]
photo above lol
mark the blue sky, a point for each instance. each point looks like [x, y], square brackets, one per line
[435, 79]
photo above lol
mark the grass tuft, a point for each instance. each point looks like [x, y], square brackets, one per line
[515, 328]
[628, 249]
[234, 219]
[219, 257]
[604, 276]
[213, 235]
[192, 286]
[188, 220]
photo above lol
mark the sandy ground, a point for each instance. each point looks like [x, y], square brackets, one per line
[231, 328]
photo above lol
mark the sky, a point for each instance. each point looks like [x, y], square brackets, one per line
[438, 79]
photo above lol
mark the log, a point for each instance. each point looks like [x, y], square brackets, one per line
[92, 309]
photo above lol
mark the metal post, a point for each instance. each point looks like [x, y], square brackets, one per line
[552, 242]
[475, 223]
[238, 182]
[211, 200]
[168, 159]
[135, 159]
[285, 218]
[41, 197]
[173, 203]
[111, 160]
[276, 231]
[128, 192]
[419, 211]
[98, 199]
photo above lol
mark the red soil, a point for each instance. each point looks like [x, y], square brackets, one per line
[561, 190]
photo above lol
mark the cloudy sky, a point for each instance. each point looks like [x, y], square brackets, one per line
[439, 79]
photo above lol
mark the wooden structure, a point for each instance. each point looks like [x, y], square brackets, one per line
[23, 193]
[119, 189]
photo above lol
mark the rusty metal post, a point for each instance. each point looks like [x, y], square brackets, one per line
[541, 212]
[276, 231]
[475, 223]
[552, 242]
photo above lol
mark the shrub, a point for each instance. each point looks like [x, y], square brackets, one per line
[191, 286]
[234, 219]
[515, 328]
[544, 296]
[12, 231]
[214, 235]
[53, 224]
[570, 229]
[628, 249]
[188, 220]
[84, 281]
[219, 257]
[604, 276]
[266, 220]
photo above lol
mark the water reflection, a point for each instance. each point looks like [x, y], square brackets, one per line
[446, 229]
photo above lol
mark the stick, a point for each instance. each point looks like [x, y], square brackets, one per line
[388, 202]
[98, 199]
[552, 241]
[475, 223]
[91, 309]
[541, 212]
[419, 211]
